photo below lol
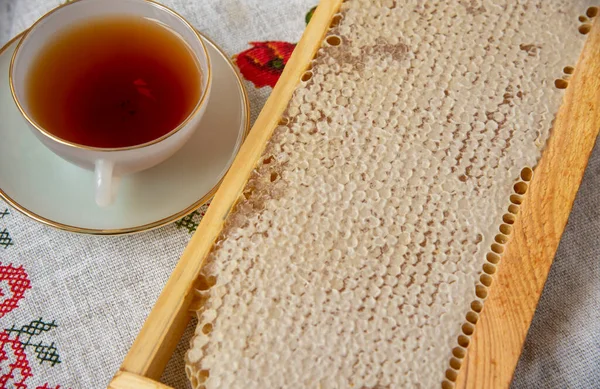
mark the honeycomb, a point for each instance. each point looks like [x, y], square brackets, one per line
[360, 252]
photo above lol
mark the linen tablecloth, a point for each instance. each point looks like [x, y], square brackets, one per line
[71, 305]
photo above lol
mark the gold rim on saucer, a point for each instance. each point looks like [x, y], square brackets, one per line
[80, 146]
[158, 223]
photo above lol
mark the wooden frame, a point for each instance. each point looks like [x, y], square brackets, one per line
[503, 324]
[500, 332]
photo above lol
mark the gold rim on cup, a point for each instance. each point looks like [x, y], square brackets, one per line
[80, 146]
[150, 226]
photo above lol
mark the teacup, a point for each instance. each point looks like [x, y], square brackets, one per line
[109, 164]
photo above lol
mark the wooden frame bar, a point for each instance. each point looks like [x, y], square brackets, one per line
[125, 380]
[500, 332]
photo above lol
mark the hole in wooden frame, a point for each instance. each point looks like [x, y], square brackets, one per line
[306, 76]
[203, 375]
[501, 239]
[468, 329]
[506, 229]
[459, 352]
[481, 292]
[472, 317]
[451, 375]
[520, 188]
[207, 328]
[585, 28]
[205, 283]
[476, 306]
[489, 268]
[335, 21]
[497, 248]
[516, 199]
[463, 341]
[333, 40]
[508, 218]
[561, 84]
[486, 280]
[492, 258]
[447, 385]
[455, 363]
[527, 173]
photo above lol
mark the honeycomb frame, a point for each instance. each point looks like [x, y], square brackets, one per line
[492, 258]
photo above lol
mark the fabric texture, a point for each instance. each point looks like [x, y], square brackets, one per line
[71, 305]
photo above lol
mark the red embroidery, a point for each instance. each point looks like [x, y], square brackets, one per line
[48, 387]
[18, 283]
[13, 363]
[264, 62]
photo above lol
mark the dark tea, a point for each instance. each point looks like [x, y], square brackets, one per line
[113, 82]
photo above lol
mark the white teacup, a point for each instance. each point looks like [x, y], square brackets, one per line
[109, 164]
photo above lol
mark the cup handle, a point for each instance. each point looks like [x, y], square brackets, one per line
[105, 182]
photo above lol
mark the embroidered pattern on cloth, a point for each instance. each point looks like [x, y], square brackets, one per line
[43, 352]
[18, 282]
[13, 363]
[264, 62]
[191, 221]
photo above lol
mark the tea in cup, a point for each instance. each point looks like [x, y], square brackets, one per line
[113, 86]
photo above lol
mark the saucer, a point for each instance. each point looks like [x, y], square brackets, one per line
[50, 190]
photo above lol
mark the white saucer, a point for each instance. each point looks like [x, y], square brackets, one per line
[55, 192]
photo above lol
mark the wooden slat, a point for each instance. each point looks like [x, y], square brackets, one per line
[501, 330]
[169, 317]
[124, 380]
